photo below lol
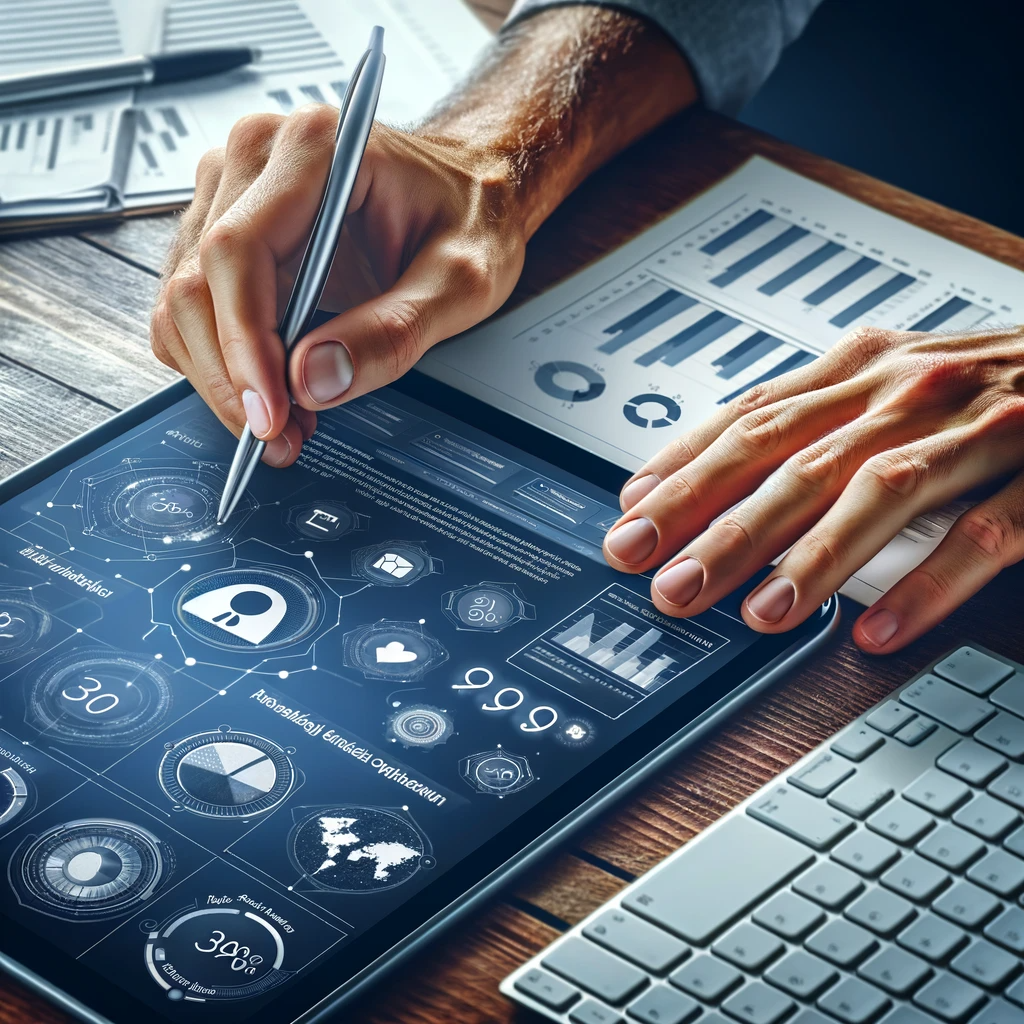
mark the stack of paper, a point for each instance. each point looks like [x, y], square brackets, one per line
[103, 154]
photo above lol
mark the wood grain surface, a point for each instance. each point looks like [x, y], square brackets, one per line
[73, 349]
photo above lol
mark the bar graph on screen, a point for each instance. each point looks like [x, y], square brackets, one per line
[758, 276]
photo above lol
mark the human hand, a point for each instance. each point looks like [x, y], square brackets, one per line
[434, 243]
[831, 461]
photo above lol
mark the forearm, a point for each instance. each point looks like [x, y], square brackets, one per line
[561, 93]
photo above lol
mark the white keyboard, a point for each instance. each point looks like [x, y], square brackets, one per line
[877, 880]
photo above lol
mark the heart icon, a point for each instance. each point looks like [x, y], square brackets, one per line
[394, 653]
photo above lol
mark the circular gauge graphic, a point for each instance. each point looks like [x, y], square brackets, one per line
[99, 697]
[359, 849]
[257, 608]
[569, 382]
[226, 774]
[13, 796]
[215, 953]
[324, 520]
[489, 607]
[22, 626]
[420, 725]
[167, 507]
[574, 733]
[96, 868]
[496, 772]
[395, 563]
[651, 411]
[389, 649]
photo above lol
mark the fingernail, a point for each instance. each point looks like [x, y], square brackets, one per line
[679, 584]
[637, 489]
[880, 627]
[327, 372]
[256, 412]
[277, 451]
[632, 542]
[773, 600]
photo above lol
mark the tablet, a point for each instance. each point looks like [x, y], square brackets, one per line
[246, 768]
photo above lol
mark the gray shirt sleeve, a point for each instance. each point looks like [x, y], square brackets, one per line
[732, 45]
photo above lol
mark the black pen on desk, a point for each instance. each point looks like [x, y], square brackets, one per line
[124, 72]
[354, 124]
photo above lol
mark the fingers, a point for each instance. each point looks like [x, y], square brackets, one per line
[453, 282]
[884, 495]
[840, 363]
[726, 471]
[984, 540]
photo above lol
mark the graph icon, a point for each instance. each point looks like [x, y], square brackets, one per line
[651, 411]
[570, 382]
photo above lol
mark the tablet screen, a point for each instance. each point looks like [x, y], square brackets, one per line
[229, 752]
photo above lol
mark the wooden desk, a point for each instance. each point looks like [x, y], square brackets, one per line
[74, 348]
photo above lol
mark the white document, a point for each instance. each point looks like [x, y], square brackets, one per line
[760, 274]
[309, 49]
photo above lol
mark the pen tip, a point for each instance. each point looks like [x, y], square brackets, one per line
[221, 522]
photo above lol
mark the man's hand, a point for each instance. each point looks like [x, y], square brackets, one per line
[832, 461]
[434, 244]
[437, 224]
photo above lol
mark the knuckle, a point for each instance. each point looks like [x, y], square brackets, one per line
[401, 334]
[183, 291]
[313, 124]
[225, 242]
[753, 398]
[815, 469]
[210, 166]
[931, 587]
[679, 489]
[896, 473]
[867, 342]
[472, 275]
[224, 396]
[818, 555]
[994, 537]
[731, 531]
[758, 433]
[251, 135]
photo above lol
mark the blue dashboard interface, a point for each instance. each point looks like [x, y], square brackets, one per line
[228, 751]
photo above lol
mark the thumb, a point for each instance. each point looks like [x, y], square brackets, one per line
[450, 285]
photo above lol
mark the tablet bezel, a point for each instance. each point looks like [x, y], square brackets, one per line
[476, 878]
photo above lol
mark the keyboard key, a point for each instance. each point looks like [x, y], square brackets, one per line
[915, 878]
[895, 970]
[931, 937]
[1010, 696]
[1014, 842]
[965, 904]
[1008, 930]
[828, 884]
[971, 762]
[789, 915]
[1004, 733]
[854, 1002]
[987, 817]
[998, 1012]
[985, 964]
[973, 670]
[914, 732]
[808, 1017]
[1016, 992]
[890, 716]
[937, 792]
[951, 847]
[706, 977]
[725, 872]
[904, 1014]
[748, 946]
[636, 940]
[590, 967]
[881, 911]
[865, 852]
[947, 703]
[1000, 872]
[801, 816]
[860, 796]
[857, 742]
[1010, 786]
[842, 942]
[949, 998]
[547, 989]
[590, 1012]
[758, 1003]
[802, 975]
[663, 1005]
[901, 822]
[822, 775]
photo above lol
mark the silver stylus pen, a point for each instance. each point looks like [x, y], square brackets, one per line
[357, 113]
